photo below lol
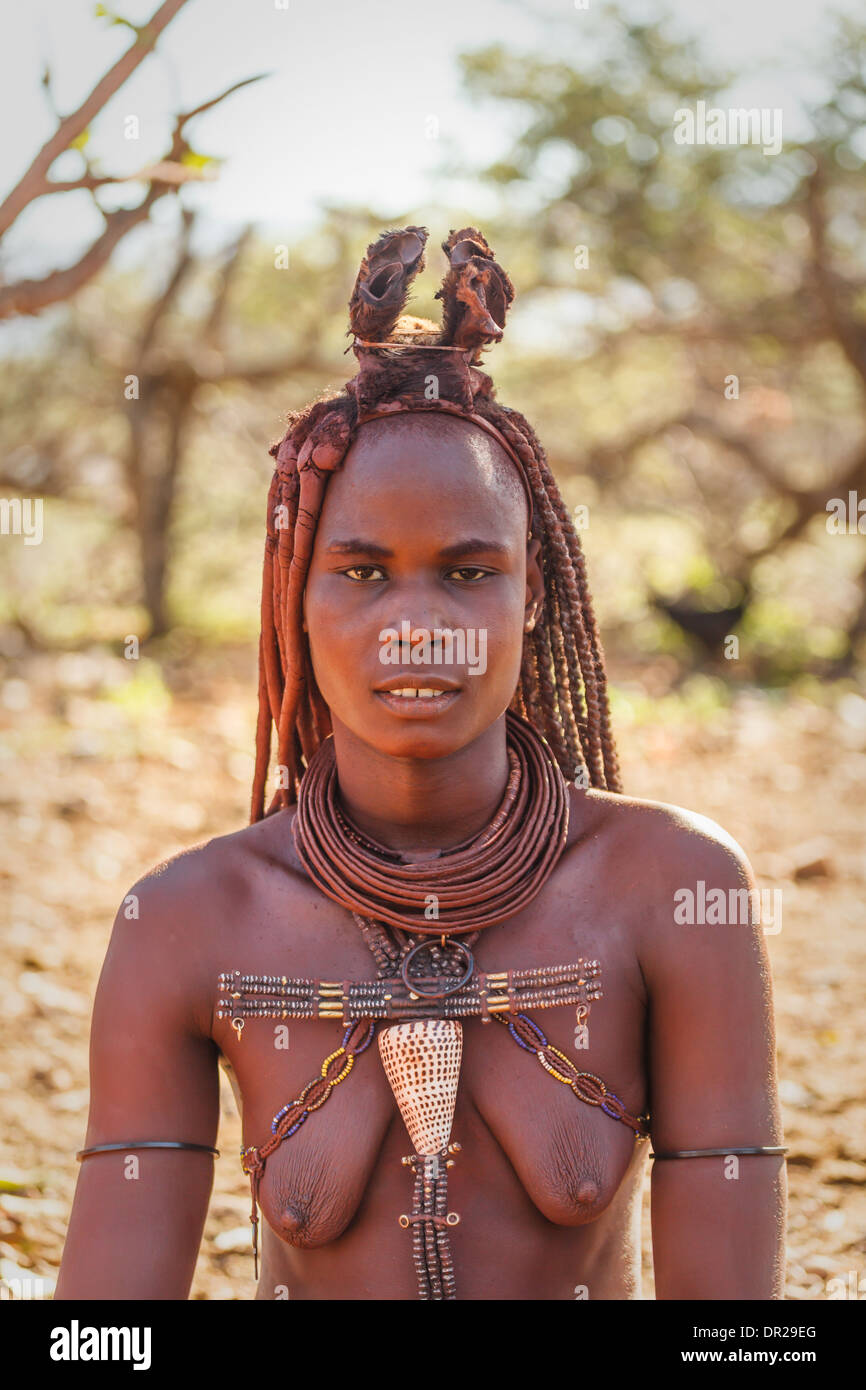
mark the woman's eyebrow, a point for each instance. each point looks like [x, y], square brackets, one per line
[472, 547]
[355, 546]
[457, 551]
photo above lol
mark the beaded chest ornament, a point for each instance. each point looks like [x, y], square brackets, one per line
[426, 985]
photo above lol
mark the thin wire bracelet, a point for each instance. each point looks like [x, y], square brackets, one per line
[147, 1144]
[771, 1149]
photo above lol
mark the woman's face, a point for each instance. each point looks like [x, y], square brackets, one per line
[422, 534]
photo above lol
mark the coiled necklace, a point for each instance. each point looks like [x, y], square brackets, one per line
[487, 877]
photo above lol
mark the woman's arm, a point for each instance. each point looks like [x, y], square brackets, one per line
[138, 1214]
[718, 1223]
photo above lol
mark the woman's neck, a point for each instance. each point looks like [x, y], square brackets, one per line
[422, 804]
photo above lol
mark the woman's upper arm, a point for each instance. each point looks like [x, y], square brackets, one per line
[138, 1214]
[717, 1224]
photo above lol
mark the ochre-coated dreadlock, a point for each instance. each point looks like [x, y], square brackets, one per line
[562, 688]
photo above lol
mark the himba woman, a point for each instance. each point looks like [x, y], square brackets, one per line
[496, 1017]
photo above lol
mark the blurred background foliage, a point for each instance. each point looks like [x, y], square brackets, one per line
[688, 338]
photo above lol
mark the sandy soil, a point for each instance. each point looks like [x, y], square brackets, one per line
[105, 778]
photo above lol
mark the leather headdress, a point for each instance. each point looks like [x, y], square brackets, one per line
[410, 364]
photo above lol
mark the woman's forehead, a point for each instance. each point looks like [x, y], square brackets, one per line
[422, 426]
[436, 442]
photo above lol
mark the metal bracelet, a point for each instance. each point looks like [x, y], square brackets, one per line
[147, 1144]
[771, 1149]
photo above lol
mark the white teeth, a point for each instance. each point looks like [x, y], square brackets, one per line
[410, 693]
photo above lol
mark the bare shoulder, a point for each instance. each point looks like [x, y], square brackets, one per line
[201, 879]
[671, 831]
[175, 922]
[660, 859]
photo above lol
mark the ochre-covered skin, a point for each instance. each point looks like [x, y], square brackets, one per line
[544, 1185]
[547, 1188]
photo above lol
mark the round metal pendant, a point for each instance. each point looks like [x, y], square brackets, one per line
[450, 984]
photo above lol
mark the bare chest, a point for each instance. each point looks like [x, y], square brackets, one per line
[525, 1138]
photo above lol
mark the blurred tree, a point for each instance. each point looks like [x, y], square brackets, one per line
[165, 381]
[698, 312]
[132, 390]
[739, 270]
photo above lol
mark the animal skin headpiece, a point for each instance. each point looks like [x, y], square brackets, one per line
[410, 364]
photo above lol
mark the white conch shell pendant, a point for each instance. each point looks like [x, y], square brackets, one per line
[422, 1062]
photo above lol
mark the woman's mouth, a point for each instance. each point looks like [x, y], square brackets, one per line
[417, 701]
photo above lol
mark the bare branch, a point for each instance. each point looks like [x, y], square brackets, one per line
[267, 371]
[235, 87]
[831, 287]
[182, 266]
[618, 450]
[34, 182]
[740, 444]
[162, 172]
[229, 270]
[808, 504]
[31, 296]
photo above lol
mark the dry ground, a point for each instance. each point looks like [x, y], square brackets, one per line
[105, 778]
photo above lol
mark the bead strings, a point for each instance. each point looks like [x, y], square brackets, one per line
[484, 879]
[356, 1039]
[502, 991]
[586, 1085]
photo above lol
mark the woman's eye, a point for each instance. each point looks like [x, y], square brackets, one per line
[470, 571]
[360, 573]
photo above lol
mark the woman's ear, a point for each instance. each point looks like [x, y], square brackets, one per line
[534, 584]
[304, 610]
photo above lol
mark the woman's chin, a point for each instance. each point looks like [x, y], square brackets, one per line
[400, 736]
[418, 742]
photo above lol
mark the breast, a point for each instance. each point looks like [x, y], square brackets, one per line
[569, 1157]
[314, 1182]
[570, 1168]
[575, 1168]
[299, 1197]
[310, 1194]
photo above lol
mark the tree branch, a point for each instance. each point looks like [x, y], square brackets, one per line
[850, 335]
[229, 270]
[34, 182]
[161, 172]
[182, 266]
[31, 296]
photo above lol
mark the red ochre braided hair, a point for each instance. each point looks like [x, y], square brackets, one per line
[562, 689]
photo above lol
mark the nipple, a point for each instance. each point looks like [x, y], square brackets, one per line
[587, 1192]
[292, 1220]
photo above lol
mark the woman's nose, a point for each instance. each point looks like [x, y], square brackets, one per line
[419, 610]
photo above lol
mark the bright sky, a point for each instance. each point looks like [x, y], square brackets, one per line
[356, 128]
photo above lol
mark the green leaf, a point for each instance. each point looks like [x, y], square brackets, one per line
[103, 12]
[196, 161]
